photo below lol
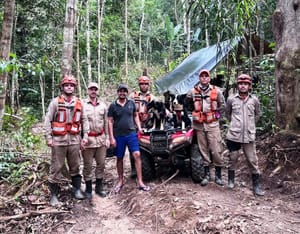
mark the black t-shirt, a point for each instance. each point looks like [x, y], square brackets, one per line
[123, 117]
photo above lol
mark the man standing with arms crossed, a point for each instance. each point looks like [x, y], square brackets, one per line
[122, 122]
[209, 105]
[243, 112]
[98, 141]
[63, 124]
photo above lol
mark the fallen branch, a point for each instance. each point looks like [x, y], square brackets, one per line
[287, 149]
[32, 213]
[170, 178]
[24, 189]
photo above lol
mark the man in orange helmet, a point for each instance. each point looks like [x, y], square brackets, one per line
[209, 106]
[243, 112]
[141, 99]
[64, 122]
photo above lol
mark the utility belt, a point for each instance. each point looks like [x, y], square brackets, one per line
[95, 134]
[200, 117]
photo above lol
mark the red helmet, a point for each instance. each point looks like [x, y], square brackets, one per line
[68, 79]
[144, 79]
[244, 78]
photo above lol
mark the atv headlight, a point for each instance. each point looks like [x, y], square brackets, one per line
[177, 141]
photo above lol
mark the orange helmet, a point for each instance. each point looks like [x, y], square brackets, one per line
[68, 79]
[244, 78]
[144, 79]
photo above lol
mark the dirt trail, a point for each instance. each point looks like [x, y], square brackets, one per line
[106, 217]
[180, 206]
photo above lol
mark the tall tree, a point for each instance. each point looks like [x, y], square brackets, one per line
[286, 27]
[69, 28]
[187, 25]
[141, 30]
[5, 43]
[88, 43]
[126, 39]
[100, 13]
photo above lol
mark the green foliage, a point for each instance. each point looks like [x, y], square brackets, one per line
[19, 126]
[265, 91]
[176, 62]
[18, 145]
[13, 167]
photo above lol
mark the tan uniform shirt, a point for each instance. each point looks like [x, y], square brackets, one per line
[67, 139]
[97, 116]
[243, 115]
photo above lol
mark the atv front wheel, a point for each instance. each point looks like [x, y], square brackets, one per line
[148, 168]
[197, 166]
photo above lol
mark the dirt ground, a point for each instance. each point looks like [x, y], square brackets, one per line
[178, 205]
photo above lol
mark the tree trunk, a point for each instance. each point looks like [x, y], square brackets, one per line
[286, 28]
[42, 88]
[88, 44]
[100, 18]
[187, 25]
[78, 71]
[141, 32]
[69, 28]
[5, 43]
[126, 40]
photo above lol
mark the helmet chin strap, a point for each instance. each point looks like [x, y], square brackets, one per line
[243, 94]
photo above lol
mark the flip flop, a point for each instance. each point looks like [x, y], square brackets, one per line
[118, 188]
[144, 188]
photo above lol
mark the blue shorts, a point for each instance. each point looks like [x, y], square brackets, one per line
[130, 140]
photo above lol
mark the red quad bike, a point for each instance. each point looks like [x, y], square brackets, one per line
[173, 148]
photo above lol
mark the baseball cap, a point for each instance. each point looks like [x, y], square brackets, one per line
[93, 84]
[122, 86]
[204, 71]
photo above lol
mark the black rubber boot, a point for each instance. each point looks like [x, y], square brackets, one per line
[54, 189]
[218, 176]
[76, 182]
[99, 188]
[132, 165]
[206, 178]
[231, 174]
[88, 189]
[256, 188]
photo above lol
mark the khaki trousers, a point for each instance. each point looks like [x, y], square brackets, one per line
[71, 153]
[249, 150]
[89, 154]
[210, 141]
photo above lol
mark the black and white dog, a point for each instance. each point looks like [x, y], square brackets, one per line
[157, 115]
[177, 106]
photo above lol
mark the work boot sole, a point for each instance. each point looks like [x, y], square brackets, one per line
[88, 195]
[79, 195]
[258, 193]
[101, 194]
[219, 182]
[54, 201]
[204, 182]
